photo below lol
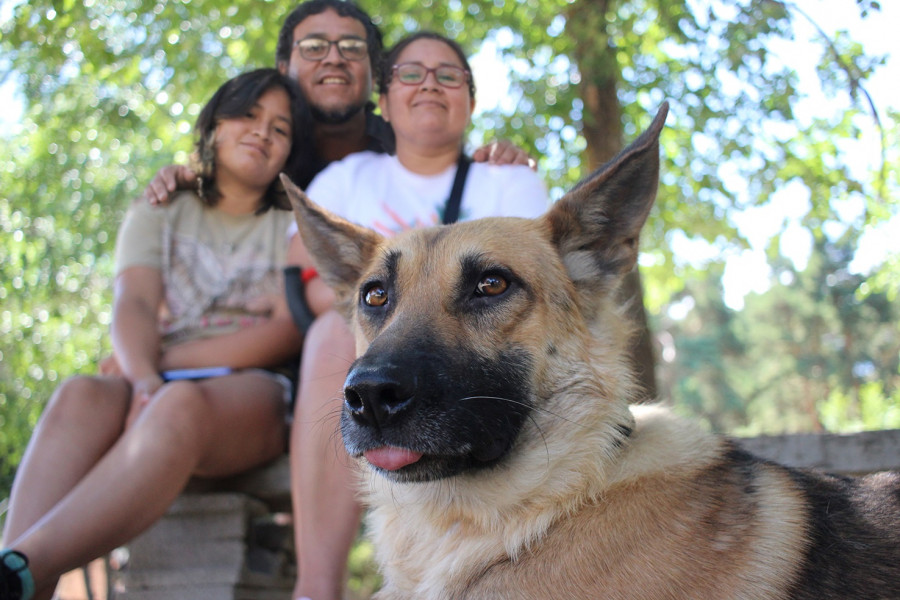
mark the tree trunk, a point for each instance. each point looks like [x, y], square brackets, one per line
[603, 131]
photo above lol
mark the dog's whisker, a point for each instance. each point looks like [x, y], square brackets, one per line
[526, 405]
[544, 437]
[320, 375]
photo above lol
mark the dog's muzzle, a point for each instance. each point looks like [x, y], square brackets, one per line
[428, 412]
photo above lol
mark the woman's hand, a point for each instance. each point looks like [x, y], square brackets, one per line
[503, 152]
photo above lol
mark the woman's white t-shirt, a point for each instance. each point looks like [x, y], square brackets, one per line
[374, 190]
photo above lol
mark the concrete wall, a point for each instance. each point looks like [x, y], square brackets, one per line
[856, 453]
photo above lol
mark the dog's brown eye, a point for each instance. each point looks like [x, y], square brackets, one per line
[375, 296]
[491, 285]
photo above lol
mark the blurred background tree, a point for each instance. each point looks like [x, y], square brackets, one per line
[109, 90]
[813, 353]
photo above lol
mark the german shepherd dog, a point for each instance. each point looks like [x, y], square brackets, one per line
[491, 401]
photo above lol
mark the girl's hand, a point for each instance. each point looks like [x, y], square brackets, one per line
[142, 392]
[110, 366]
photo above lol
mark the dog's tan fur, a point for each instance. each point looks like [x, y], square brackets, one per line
[594, 498]
[663, 506]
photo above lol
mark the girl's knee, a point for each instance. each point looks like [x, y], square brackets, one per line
[177, 418]
[179, 404]
[88, 397]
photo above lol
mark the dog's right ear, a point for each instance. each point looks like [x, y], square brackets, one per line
[597, 224]
[339, 248]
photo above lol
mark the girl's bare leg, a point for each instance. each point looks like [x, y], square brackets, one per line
[82, 420]
[214, 428]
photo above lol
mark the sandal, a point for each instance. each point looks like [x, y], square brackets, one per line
[16, 582]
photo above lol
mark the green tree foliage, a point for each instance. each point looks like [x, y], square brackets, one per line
[111, 88]
[814, 353]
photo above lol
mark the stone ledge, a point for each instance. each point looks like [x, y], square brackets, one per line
[211, 546]
[849, 454]
[270, 484]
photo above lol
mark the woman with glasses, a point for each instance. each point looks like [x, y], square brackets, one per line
[427, 96]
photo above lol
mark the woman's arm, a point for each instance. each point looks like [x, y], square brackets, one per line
[319, 297]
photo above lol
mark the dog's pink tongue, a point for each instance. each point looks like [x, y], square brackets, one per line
[390, 458]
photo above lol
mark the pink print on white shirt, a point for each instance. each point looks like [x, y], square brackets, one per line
[399, 223]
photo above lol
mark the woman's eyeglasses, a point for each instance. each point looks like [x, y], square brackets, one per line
[415, 73]
[315, 48]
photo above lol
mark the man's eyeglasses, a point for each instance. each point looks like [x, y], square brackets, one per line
[413, 73]
[315, 48]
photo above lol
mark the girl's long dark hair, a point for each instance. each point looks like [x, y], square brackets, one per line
[233, 100]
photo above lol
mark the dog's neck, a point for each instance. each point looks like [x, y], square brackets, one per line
[487, 516]
[499, 500]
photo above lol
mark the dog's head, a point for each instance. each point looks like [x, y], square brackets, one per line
[478, 341]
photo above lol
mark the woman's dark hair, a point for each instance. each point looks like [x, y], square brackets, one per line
[390, 58]
[344, 8]
[234, 99]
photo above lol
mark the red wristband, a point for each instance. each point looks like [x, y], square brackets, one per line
[308, 274]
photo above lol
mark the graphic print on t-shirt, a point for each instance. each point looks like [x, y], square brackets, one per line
[398, 224]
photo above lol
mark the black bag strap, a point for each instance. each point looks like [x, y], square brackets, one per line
[451, 210]
[296, 299]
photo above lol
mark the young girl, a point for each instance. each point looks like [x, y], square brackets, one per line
[199, 285]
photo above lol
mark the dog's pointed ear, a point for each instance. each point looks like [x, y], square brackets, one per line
[339, 248]
[597, 224]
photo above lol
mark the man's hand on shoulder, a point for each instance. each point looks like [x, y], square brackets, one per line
[503, 152]
[167, 181]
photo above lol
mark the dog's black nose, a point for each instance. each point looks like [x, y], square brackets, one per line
[375, 397]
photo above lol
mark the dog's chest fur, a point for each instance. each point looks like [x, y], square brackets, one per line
[624, 537]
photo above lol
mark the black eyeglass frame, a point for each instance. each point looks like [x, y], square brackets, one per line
[363, 56]
[467, 76]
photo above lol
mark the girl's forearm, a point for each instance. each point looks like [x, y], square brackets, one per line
[266, 344]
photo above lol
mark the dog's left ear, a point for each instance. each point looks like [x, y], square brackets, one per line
[597, 224]
[339, 248]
